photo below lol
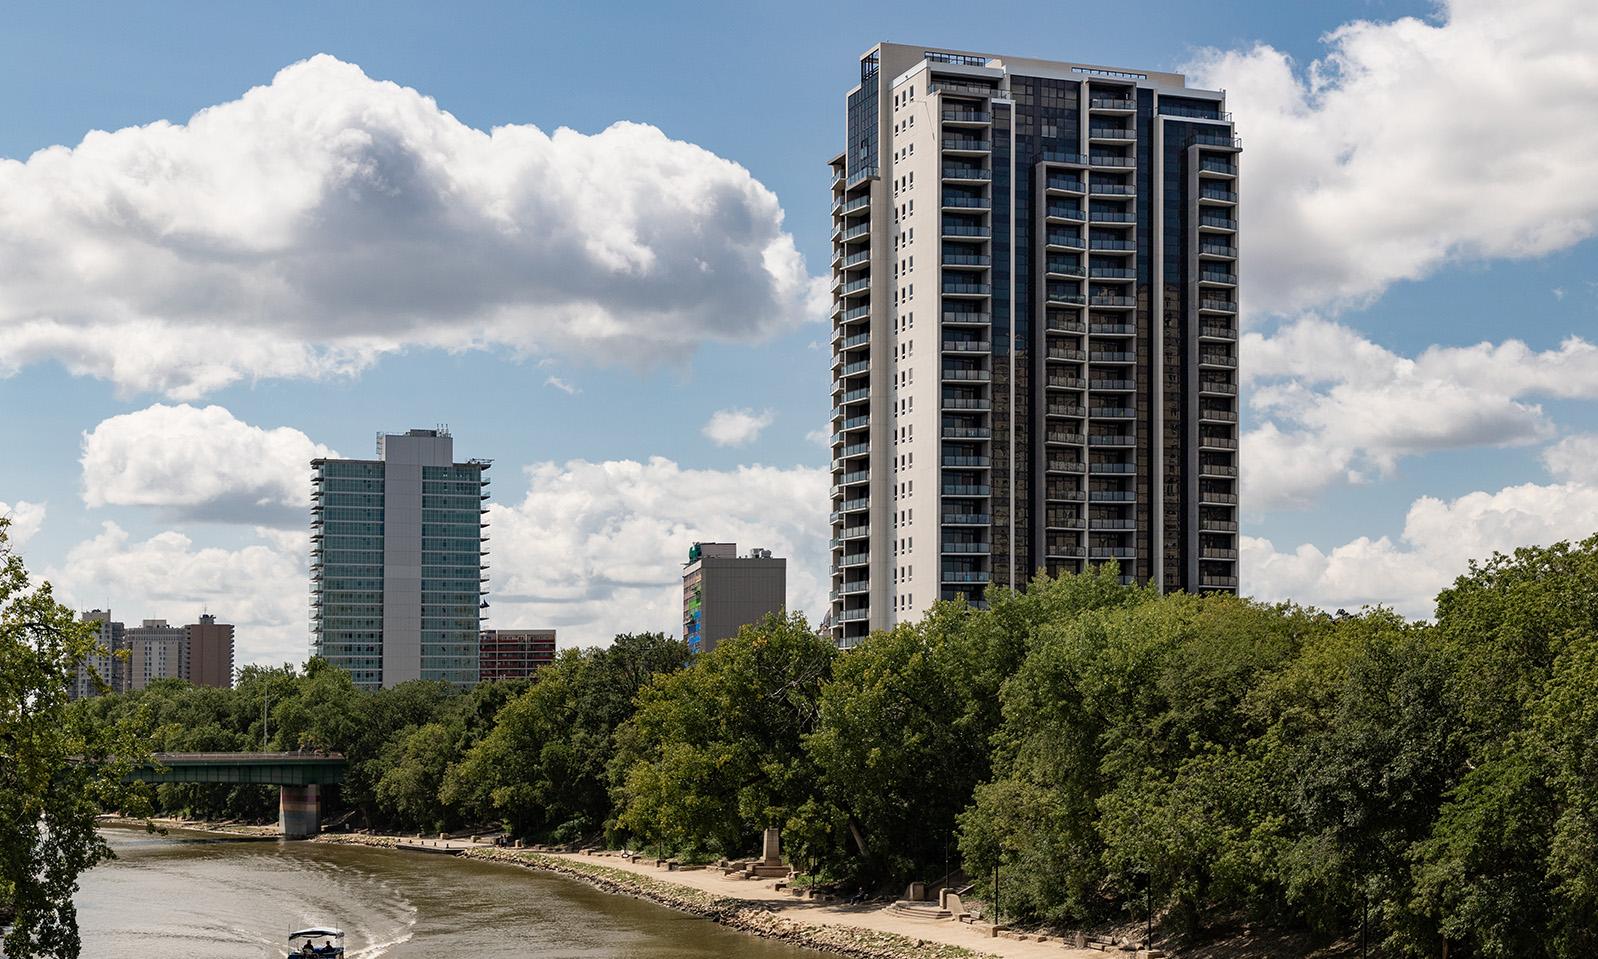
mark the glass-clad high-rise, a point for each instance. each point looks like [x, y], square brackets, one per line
[1034, 348]
[397, 561]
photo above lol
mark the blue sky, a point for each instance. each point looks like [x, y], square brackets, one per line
[1454, 257]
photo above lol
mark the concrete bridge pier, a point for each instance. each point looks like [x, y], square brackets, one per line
[299, 811]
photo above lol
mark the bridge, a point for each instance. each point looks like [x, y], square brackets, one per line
[299, 777]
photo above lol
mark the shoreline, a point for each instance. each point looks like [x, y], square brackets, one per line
[839, 930]
[229, 830]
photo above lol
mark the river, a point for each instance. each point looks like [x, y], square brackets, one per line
[188, 895]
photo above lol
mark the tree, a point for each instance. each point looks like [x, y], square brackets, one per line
[58, 770]
[713, 753]
[542, 769]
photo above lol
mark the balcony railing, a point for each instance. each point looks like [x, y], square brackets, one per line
[966, 519]
[966, 144]
[1064, 183]
[967, 259]
[1104, 103]
[966, 173]
[957, 373]
[968, 116]
[966, 489]
[1112, 133]
[966, 346]
[967, 202]
[969, 289]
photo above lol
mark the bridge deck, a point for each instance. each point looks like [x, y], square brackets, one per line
[267, 769]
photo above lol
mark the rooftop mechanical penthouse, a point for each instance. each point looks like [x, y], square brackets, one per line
[1034, 347]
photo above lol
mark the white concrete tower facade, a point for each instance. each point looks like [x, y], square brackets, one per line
[1034, 331]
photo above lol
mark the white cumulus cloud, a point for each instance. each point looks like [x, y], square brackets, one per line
[327, 218]
[1331, 406]
[597, 548]
[1440, 538]
[1413, 142]
[260, 588]
[737, 427]
[25, 517]
[1574, 459]
[200, 463]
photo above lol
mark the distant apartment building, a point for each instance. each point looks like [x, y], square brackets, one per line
[514, 653]
[397, 561]
[105, 669]
[722, 591]
[155, 651]
[210, 652]
[1034, 346]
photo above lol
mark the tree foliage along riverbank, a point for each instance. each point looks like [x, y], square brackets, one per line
[58, 769]
[1102, 745]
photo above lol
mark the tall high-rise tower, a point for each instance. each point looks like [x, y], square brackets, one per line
[1034, 331]
[397, 561]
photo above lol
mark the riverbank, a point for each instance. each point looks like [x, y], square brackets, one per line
[758, 908]
[236, 830]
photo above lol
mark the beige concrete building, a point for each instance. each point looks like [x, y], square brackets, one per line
[156, 651]
[723, 592]
[105, 670]
[1035, 275]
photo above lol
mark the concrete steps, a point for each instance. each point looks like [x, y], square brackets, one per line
[919, 910]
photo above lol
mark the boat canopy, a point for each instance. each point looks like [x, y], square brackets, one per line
[317, 933]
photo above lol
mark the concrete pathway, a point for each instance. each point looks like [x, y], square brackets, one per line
[874, 917]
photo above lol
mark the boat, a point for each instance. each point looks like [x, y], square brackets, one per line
[304, 942]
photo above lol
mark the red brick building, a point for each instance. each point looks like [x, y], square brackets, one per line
[513, 653]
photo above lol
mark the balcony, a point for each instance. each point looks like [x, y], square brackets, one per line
[1065, 268]
[856, 532]
[967, 259]
[965, 317]
[1104, 244]
[967, 346]
[1113, 105]
[1111, 439]
[1065, 409]
[1213, 249]
[1112, 469]
[1065, 382]
[850, 369]
[1207, 442]
[966, 173]
[1061, 353]
[856, 286]
[848, 560]
[854, 396]
[855, 505]
[966, 145]
[1060, 323]
[967, 403]
[1218, 196]
[1218, 387]
[966, 489]
[1113, 413]
[957, 374]
[1217, 168]
[966, 462]
[1113, 302]
[854, 232]
[1062, 298]
[1213, 552]
[855, 588]
[1070, 159]
[1061, 211]
[967, 519]
[1218, 331]
[1064, 466]
[858, 203]
[1112, 552]
[966, 229]
[965, 576]
[956, 201]
[1207, 305]
[1112, 496]
[1102, 215]
[859, 312]
[1218, 582]
[1058, 550]
[1112, 273]
[967, 116]
[1063, 185]
[1112, 189]
[854, 615]
[1213, 497]
[1112, 356]
[966, 548]
[1213, 276]
[1207, 415]
[967, 432]
[959, 288]
[855, 259]
[1062, 495]
[1066, 437]
[1112, 329]
[1218, 525]
[850, 342]
[1218, 140]
[1218, 223]
[1057, 521]
[1066, 241]
[1216, 469]
[1218, 359]
[1110, 160]
[1213, 113]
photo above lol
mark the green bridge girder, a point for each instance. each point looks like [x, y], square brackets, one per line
[265, 769]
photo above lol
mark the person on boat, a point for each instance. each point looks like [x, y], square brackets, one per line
[307, 949]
